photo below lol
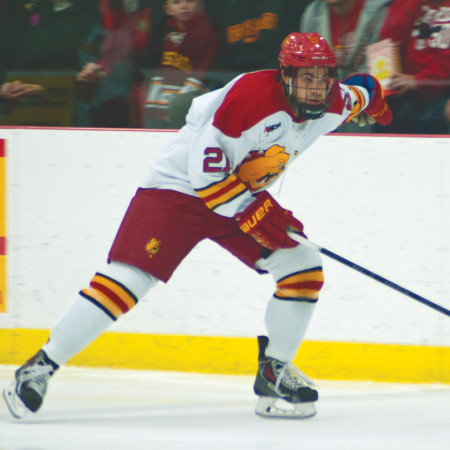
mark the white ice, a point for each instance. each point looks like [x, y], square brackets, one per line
[123, 409]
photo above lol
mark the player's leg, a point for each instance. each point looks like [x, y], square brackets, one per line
[111, 293]
[298, 276]
[146, 243]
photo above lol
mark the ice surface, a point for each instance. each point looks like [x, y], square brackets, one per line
[121, 409]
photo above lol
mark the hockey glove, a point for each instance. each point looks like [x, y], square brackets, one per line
[267, 222]
[377, 108]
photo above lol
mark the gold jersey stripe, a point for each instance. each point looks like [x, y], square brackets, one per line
[226, 197]
[222, 192]
[216, 187]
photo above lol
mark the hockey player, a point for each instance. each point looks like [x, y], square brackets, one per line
[210, 183]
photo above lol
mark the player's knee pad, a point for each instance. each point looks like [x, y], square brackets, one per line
[297, 272]
[302, 286]
[118, 288]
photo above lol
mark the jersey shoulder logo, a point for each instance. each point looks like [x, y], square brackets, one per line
[271, 128]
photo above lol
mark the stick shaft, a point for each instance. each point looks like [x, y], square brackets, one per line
[370, 274]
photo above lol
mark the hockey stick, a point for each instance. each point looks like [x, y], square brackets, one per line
[379, 278]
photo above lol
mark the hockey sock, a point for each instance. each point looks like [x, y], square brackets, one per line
[286, 323]
[81, 324]
[111, 293]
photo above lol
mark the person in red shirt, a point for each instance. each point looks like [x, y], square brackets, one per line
[421, 30]
[188, 51]
[110, 84]
[343, 27]
[349, 26]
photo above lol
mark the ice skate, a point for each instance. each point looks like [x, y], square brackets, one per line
[282, 390]
[28, 389]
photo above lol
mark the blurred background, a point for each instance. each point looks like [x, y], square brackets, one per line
[140, 63]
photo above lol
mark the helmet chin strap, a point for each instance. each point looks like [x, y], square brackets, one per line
[311, 112]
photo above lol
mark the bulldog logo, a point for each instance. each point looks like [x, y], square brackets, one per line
[262, 167]
[152, 247]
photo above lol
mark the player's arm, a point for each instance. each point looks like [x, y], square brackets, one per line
[263, 218]
[259, 215]
[212, 162]
[268, 223]
[368, 99]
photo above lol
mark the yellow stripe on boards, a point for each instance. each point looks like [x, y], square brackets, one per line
[237, 356]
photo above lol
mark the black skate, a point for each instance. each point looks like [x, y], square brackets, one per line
[28, 389]
[282, 389]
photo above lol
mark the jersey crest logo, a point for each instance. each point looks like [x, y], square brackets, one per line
[271, 128]
[152, 247]
[260, 168]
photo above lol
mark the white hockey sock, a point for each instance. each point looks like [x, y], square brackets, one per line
[84, 321]
[286, 323]
[81, 324]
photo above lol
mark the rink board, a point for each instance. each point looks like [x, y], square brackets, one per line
[237, 356]
[382, 202]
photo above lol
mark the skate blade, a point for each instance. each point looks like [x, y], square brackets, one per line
[276, 407]
[13, 402]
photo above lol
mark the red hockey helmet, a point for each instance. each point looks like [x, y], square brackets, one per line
[308, 50]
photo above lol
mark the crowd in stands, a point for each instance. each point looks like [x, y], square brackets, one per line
[140, 63]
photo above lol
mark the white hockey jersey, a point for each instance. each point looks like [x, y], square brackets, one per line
[239, 139]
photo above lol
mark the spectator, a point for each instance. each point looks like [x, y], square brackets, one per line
[141, 26]
[109, 83]
[349, 26]
[447, 112]
[52, 32]
[188, 50]
[12, 89]
[251, 34]
[421, 29]
[16, 89]
[44, 37]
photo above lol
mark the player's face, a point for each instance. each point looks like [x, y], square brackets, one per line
[311, 85]
[182, 10]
